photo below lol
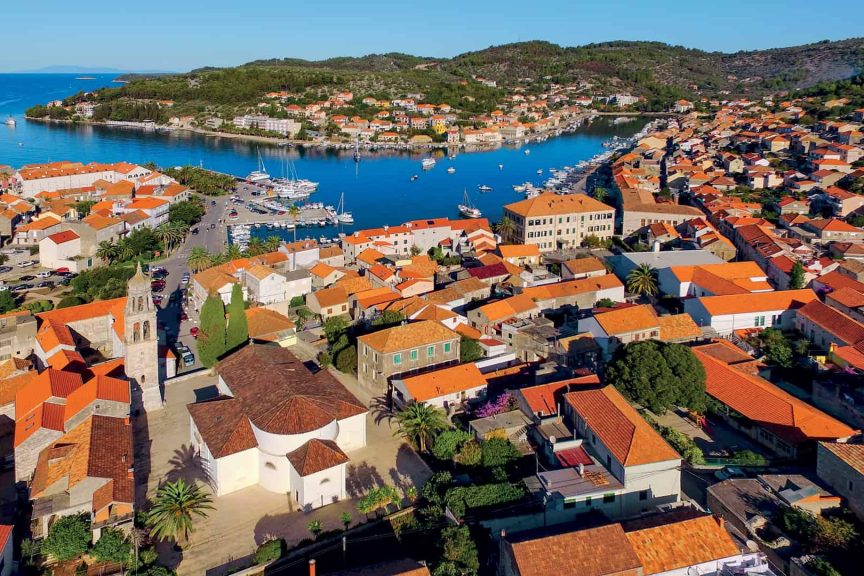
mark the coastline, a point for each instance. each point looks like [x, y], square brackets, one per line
[570, 126]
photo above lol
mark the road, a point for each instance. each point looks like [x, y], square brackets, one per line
[171, 307]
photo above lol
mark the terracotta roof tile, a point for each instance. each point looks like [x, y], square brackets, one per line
[411, 335]
[757, 302]
[315, 456]
[549, 204]
[424, 387]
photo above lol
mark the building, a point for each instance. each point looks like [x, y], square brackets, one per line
[765, 412]
[283, 126]
[579, 268]
[279, 426]
[6, 549]
[726, 314]
[598, 452]
[713, 279]
[827, 327]
[676, 543]
[841, 466]
[17, 335]
[621, 325]
[267, 325]
[63, 250]
[446, 388]
[89, 470]
[553, 221]
[404, 349]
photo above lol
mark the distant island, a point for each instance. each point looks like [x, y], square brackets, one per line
[498, 94]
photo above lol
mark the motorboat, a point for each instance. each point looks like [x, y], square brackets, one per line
[467, 209]
[428, 163]
[484, 188]
[519, 187]
[414, 177]
[451, 170]
[10, 121]
[527, 151]
[500, 166]
[539, 171]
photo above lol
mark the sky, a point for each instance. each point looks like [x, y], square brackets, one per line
[179, 35]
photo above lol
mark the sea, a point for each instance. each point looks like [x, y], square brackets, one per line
[378, 190]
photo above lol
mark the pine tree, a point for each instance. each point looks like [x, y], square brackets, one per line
[238, 329]
[796, 276]
[211, 340]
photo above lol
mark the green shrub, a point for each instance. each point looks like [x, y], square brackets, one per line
[346, 360]
[70, 301]
[112, 546]
[448, 443]
[462, 499]
[270, 550]
[68, 538]
[498, 452]
[297, 301]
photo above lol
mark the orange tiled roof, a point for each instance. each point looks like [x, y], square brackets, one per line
[851, 454]
[630, 439]
[264, 322]
[519, 250]
[545, 398]
[549, 204]
[411, 335]
[444, 381]
[757, 302]
[508, 307]
[627, 319]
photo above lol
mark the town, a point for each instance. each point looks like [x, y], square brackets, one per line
[658, 374]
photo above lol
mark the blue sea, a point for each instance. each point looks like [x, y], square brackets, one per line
[378, 190]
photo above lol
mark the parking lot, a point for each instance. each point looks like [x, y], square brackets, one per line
[28, 281]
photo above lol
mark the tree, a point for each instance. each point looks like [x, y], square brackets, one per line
[294, 212]
[199, 259]
[272, 243]
[211, 342]
[604, 303]
[334, 327]
[642, 280]
[346, 359]
[496, 452]
[460, 550]
[388, 318]
[448, 443]
[7, 302]
[469, 349]
[775, 346]
[270, 550]
[188, 212]
[506, 228]
[71, 301]
[658, 376]
[112, 546]
[107, 251]
[345, 518]
[256, 247]
[315, 528]
[796, 276]
[174, 509]
[599, 193]
[418, 423]
[238, 328]
[415, 250]
[470, 454]
[68, 538]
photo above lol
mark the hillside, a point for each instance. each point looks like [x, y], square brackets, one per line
[659, 72]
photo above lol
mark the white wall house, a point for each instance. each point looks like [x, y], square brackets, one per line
[278, 426]
[446, 388]
[63, 250]
[725, 314]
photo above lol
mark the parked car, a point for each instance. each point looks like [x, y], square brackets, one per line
[27, 278]
[184, 317]
[194, 331]
[194, 231]
[45, 284]
[729, 472]
[5, 269]
[63, 270]
[4, 288]
[188, 359]
[27, 263]
[20, 287]
[44, 274]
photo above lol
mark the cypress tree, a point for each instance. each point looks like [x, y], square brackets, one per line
[211, 340]
[238, 328]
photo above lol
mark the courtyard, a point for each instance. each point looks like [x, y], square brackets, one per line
[244, 519]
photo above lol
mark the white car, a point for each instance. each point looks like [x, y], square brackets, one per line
[27, 263]
[4, 288]
[43, 274]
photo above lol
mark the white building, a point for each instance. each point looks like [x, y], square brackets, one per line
[35, 178]
[279, 426]
[446, 388]
[284, 126]
[725, 314]
[268, 287]
[63, 250]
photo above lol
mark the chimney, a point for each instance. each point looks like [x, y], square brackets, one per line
[581, 469]
[503, 533]
[720, 521]
[312, 567]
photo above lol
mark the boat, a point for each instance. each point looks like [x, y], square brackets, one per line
[539, 171]
[259, 175]
[484, 188]
[357, 149]
[500, 166]
[342, 216]
[451, 170]
[428, 163]
[414, 177]
[85, 78]
[527, 151]
[467, 209]
[519, 187]
[10, 121]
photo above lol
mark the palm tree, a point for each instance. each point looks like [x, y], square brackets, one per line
[233, 253]
[199, 259]
[642, 280]
[294, 212]
[272, 243]
[125, 251]
[599, 193]
[256, 247]
[107, 251]
[505, 228]
[165, 233]
[418, 423]
[174, 508]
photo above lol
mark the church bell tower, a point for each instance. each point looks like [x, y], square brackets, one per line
[142, 343]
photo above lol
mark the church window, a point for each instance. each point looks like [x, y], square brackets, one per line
[136, 332]
[140, 303]
[146, 330]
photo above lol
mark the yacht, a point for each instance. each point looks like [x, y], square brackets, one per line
[527, 151]
[451, 170]
[539, 171]
[428, 163]
[10, 121]
[500, 166]
[519, 187]
[484, 188]
[357, 149]
[342, 216]
[414, 177]
[467, 209]
[259, 175]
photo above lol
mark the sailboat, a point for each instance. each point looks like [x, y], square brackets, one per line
[357, 149]
[342, 216]
[467, 209]
[259, 175]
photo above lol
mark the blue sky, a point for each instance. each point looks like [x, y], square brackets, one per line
[184, 34]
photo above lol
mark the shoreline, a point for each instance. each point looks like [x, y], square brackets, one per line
[571, 126]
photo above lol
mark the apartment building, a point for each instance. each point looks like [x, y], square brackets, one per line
[553, 221]
[404, 349]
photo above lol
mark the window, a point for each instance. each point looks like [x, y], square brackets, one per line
[588, 501]
[397, 359]
[760, 321]
[851, 486]
[414, 354]
[608, 461]
[447, 346]
[643, 495]
[430, 352]
[608, 498]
